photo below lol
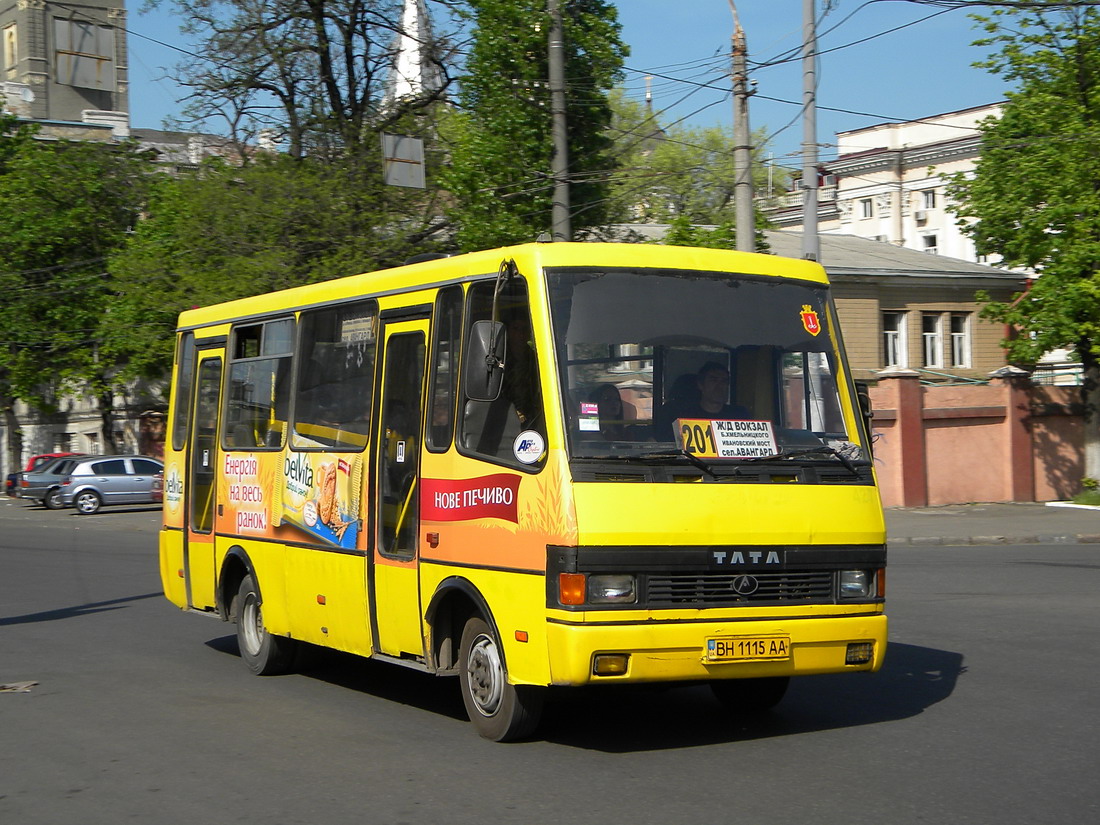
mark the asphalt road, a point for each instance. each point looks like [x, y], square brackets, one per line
[986, 711]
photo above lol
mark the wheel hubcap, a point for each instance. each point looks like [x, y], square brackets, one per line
[486, 675]
[252, 625]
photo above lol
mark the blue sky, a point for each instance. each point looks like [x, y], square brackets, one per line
[919, 70]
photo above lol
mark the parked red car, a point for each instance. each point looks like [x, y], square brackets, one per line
[33, 463]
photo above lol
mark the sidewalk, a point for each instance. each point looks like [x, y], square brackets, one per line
[1022, 523]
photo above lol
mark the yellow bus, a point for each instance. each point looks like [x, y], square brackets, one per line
[548, 465]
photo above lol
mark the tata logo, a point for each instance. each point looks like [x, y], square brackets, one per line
[745, 585]
[749, 557]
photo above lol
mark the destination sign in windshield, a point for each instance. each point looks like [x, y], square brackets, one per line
[726, 438]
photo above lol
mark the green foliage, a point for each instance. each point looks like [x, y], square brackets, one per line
[682, 232]
[15, 135]
[1034, 198]
[1090, 498]
[230, 232]
[671, 171]
[68, 207]
[500, 141]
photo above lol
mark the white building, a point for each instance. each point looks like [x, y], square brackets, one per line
[887, 183]
[890, 181]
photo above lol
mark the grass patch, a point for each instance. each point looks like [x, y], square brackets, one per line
[1089, 497]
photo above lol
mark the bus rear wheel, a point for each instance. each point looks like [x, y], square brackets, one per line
[500, 711]
[745, 697]
[264, 653]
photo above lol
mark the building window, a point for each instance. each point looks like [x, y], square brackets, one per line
[866, 208]
[960, 339]
[11, 52]
[893, 339]
[928, 199]
[930, 244]
[932, 339]
[85, 54]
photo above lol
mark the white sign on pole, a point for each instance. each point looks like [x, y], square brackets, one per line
[404, 161]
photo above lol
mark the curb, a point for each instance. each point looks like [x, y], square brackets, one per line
[975, 541]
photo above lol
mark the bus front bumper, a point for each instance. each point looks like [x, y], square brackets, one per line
[657, 651]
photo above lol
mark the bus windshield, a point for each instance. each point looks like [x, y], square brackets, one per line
[640, 349]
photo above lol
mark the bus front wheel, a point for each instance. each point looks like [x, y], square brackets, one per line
[264, 653]
[500, 711]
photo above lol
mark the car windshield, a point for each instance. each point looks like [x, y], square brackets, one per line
[52, 465]
[641, 349]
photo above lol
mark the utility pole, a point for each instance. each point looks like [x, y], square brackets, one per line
[811, 247]
[742, 141]
[560, 225]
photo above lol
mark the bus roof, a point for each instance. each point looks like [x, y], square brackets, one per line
[431, 273]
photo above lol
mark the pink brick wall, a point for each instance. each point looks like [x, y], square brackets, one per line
[1005, 441]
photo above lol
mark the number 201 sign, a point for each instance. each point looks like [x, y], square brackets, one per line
[726, 439]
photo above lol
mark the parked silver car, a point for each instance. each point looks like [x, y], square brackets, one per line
[110, 479]
[44, 483]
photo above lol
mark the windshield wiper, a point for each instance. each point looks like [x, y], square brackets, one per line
[691, 457]
[706, 468]
[824, 448]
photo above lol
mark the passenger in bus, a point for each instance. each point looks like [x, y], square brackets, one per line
[712, 382]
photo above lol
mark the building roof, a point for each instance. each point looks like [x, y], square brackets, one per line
[850, 255]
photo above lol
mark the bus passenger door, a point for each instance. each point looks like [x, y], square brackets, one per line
[395, 557]
[202, 483]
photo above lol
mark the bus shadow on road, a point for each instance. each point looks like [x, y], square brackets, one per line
[641, 718]
[383, 681]
[634, 718]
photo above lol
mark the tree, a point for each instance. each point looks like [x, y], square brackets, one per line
[68, 207]
[1034, 196]
[500, 141]
[228, 232]
[679, 175]
[14, 135]
[311, 73]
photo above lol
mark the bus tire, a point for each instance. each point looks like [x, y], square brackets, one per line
[748, 696]
[264, 653]
[499, 711]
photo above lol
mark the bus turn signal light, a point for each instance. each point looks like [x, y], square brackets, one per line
[610, 664]
[571, 588]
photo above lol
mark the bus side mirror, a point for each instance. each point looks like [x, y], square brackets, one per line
[484, 362]
[863, 393]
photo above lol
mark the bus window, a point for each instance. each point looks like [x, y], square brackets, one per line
[447, 339]
[494, 428]
[185, 359]
[259, 385]
[336, 377]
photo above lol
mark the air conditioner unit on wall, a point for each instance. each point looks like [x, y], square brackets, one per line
[921, 216]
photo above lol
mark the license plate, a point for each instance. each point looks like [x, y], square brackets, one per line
[747, 648]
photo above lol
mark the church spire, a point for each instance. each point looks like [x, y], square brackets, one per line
[415, 72]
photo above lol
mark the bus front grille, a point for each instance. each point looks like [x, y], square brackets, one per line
[725, 588]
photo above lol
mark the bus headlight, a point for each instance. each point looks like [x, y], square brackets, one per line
[855, 584]
[612, 589]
